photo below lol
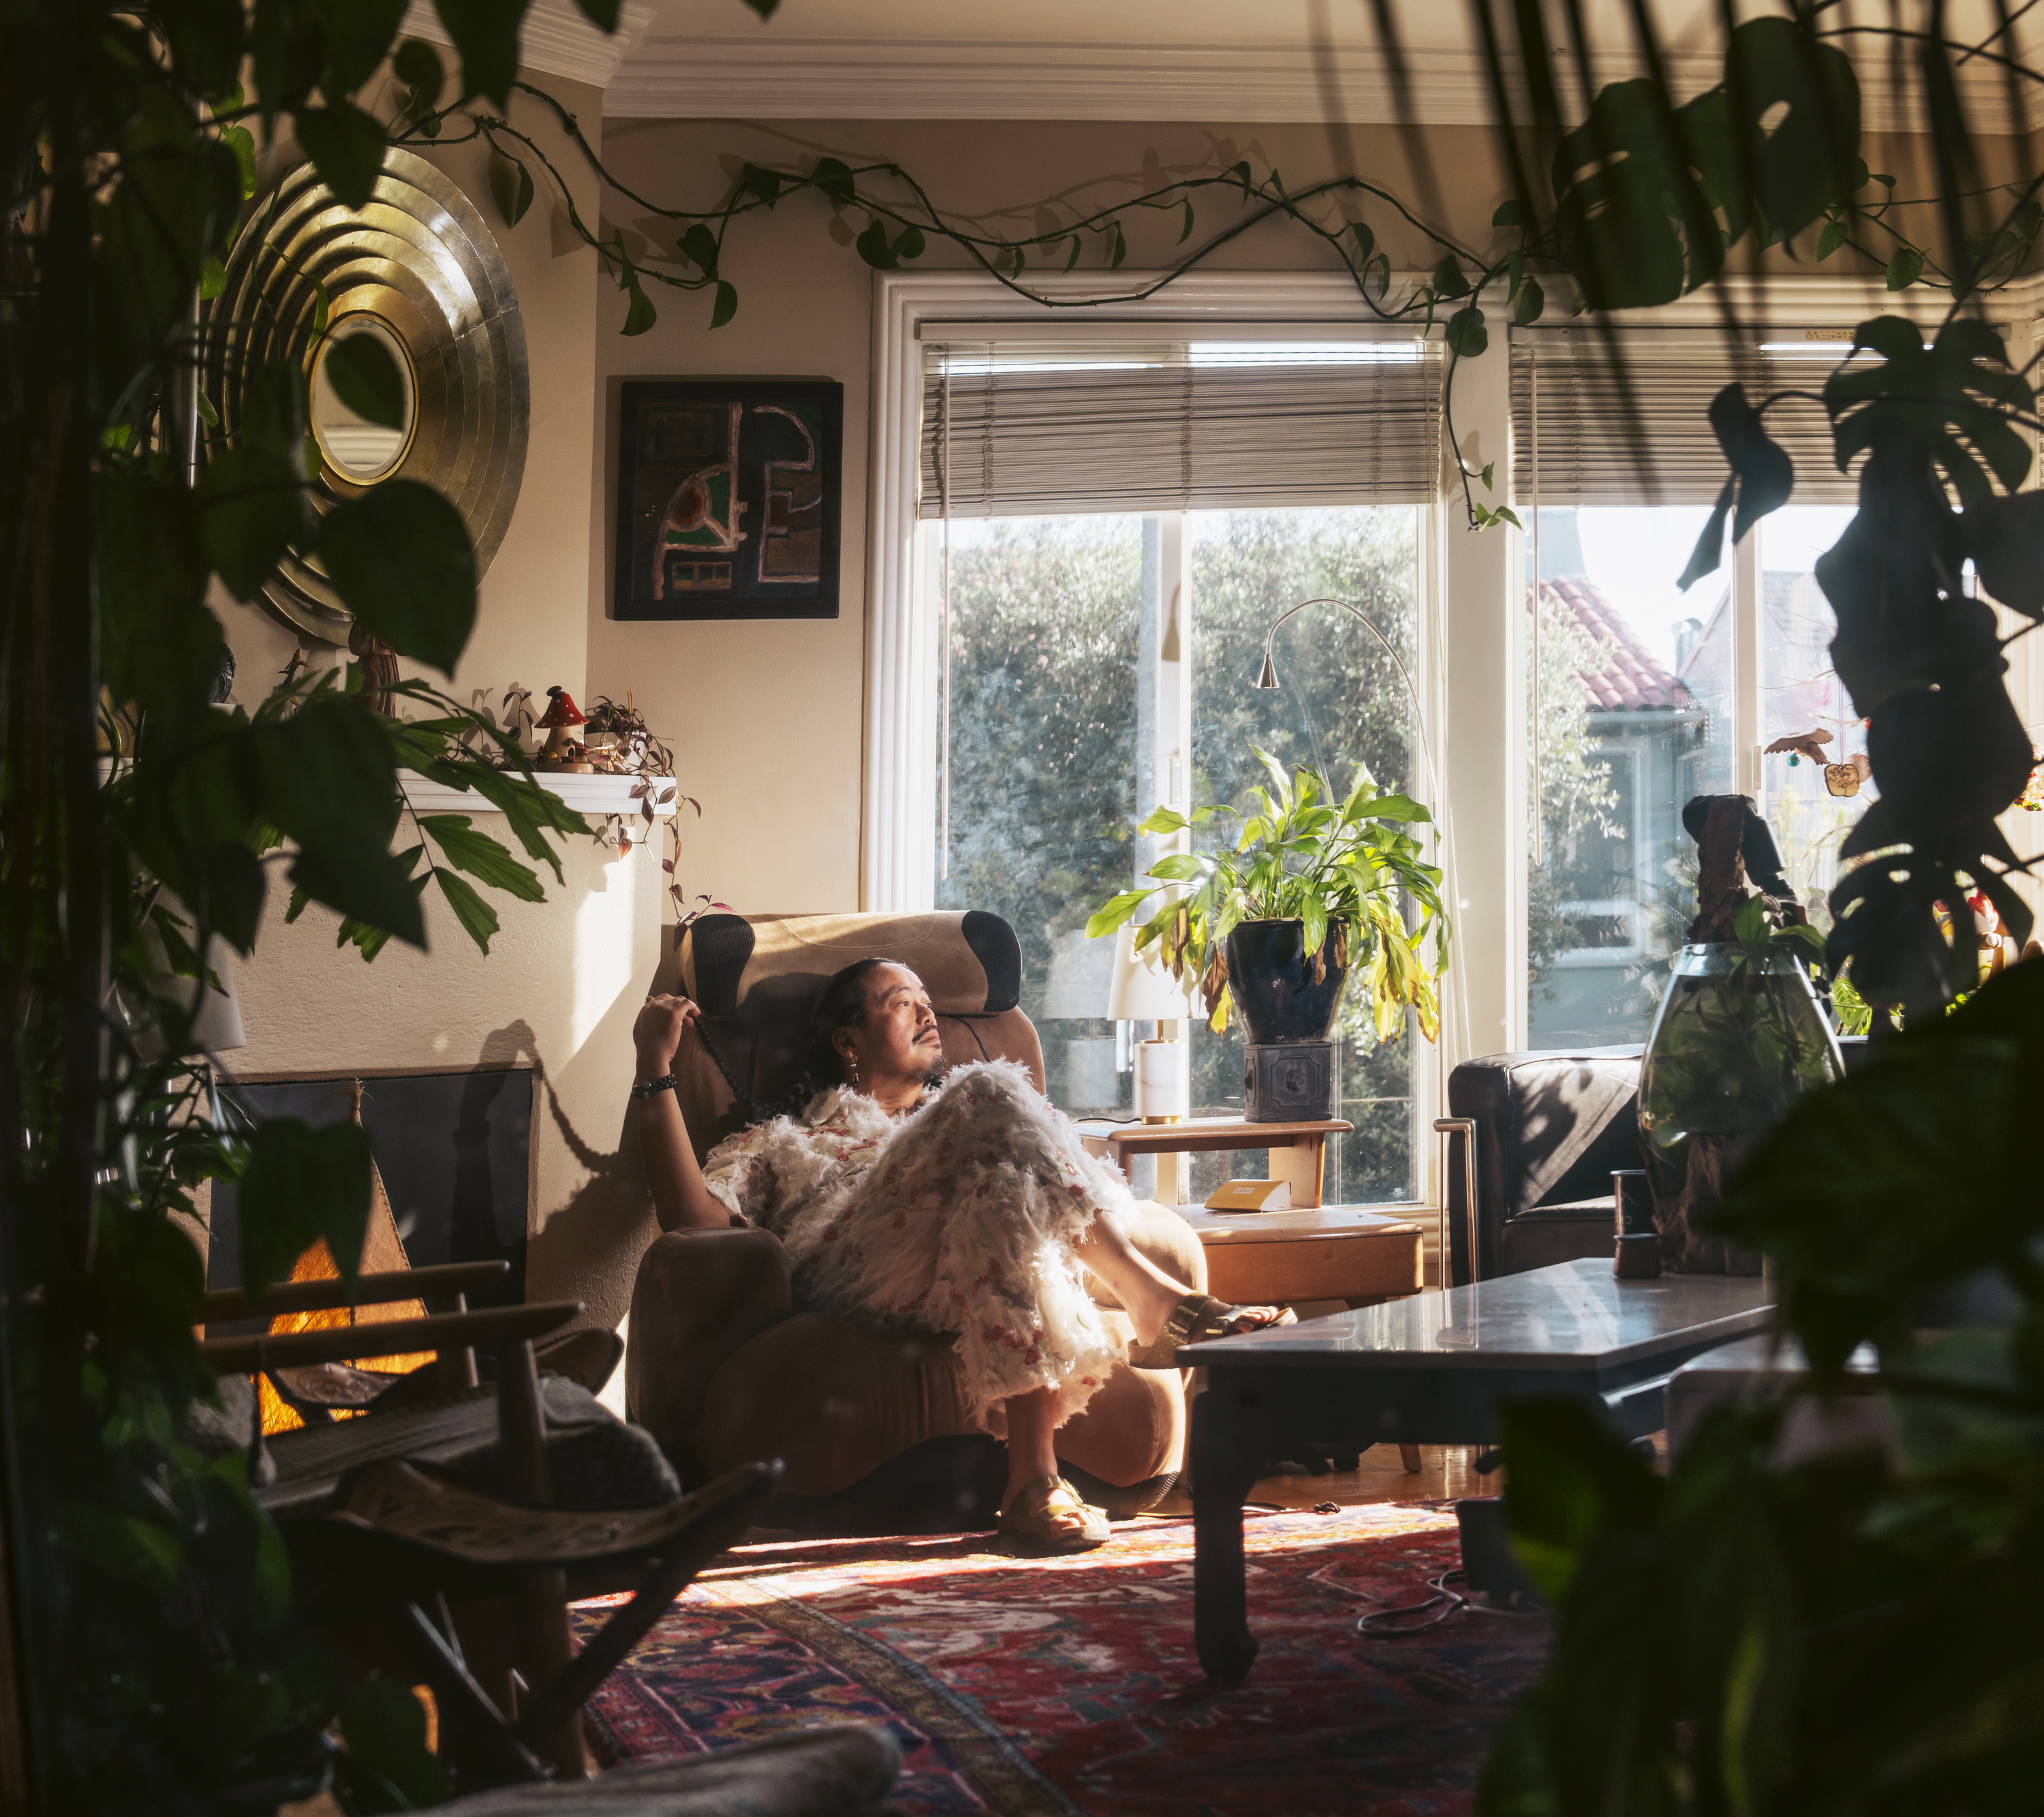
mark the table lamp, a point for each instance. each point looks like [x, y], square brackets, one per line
[1143, 991]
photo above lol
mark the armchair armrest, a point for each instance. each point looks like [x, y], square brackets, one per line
[701, 1295]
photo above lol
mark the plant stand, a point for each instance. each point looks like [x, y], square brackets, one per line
[1287, 1082]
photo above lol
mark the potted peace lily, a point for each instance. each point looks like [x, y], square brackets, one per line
[1315, 887]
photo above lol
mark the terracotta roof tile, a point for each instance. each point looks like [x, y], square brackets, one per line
[1631, 677]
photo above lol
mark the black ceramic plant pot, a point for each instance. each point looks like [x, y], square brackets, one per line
[1270, 979]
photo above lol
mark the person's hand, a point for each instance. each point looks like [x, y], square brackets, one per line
[657, 1033]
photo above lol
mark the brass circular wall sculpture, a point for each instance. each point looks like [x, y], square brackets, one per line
[418, 269]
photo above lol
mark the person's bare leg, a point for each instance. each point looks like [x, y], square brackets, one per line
[1146, 1292]
[1032, 1447]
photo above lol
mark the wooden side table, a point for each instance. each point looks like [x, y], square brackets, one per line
[1310, 1252]
[1335, 1252]
[1298, 1150]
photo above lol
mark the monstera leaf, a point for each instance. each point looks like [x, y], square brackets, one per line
[1948, 748]
[1762, 477]
[1953, 397]
[1648, 197]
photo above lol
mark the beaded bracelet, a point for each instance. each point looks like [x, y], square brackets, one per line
[646, 1088]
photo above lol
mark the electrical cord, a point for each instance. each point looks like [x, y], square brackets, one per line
[1378, 1625]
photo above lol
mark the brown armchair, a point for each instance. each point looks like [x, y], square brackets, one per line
[721, 1366]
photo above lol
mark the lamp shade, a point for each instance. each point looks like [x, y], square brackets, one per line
[1142, 990]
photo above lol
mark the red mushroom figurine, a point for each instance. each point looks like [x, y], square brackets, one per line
[560, 751]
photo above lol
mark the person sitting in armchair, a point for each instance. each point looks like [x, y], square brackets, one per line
[960, 1202]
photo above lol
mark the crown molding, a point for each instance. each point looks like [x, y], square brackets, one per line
[555, 38]
[784, 78]
[773, 76]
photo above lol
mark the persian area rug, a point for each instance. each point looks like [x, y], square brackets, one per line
[1033, 1687]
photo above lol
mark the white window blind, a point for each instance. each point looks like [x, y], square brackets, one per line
[1578, 441]
[1053, 424]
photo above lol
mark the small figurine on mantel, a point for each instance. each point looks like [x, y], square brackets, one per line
[561, 752]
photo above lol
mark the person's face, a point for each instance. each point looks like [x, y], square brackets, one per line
[900, 1035]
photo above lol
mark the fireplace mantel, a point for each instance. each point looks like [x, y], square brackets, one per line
[586, 794]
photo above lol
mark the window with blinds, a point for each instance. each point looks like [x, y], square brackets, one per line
[1052, 426]
[1569, 416]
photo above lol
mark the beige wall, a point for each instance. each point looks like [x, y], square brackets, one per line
[766, 719]
[563, 977]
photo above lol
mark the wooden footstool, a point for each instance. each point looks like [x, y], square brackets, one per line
[1332, 1252]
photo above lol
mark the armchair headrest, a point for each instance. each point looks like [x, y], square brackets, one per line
[774, 965]
[757, 977]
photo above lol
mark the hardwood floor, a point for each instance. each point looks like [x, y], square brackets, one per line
[1445, 1472]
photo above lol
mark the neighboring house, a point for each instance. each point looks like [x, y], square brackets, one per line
[1650, 729]
[1800, 691]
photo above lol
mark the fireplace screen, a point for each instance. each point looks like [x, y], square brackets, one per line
[452, 1149]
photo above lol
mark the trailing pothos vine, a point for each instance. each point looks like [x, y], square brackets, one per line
[1572, 244]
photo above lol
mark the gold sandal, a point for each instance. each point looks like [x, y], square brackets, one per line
[1199, 1318]
[1048, 1515]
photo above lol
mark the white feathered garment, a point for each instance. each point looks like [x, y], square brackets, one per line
[962, 1217]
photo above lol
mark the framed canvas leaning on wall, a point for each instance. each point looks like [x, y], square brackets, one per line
[728, 498]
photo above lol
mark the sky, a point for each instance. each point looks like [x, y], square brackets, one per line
[1634, 554]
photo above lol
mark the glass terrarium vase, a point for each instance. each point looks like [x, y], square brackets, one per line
[1738, 1039]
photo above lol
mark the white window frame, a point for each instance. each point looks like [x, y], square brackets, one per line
[1473, 630]
[1793, 303]
[897, 870]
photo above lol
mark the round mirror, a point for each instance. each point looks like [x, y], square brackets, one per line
[419, 269]
[358, 449]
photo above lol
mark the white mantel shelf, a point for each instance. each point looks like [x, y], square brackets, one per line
[586, 794]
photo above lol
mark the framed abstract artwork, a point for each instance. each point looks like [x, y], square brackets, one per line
[728, 498]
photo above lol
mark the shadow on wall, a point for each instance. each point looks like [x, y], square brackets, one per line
[589, 1248]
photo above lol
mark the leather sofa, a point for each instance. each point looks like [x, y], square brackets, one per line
[1551, 1129]
[722, 1366]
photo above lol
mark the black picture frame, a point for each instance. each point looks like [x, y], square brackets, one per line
[704, 530]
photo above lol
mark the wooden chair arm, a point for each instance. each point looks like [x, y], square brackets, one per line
[442, 1282]
[439, 1331]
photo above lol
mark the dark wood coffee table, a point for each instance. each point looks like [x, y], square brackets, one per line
[1430, 1369]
